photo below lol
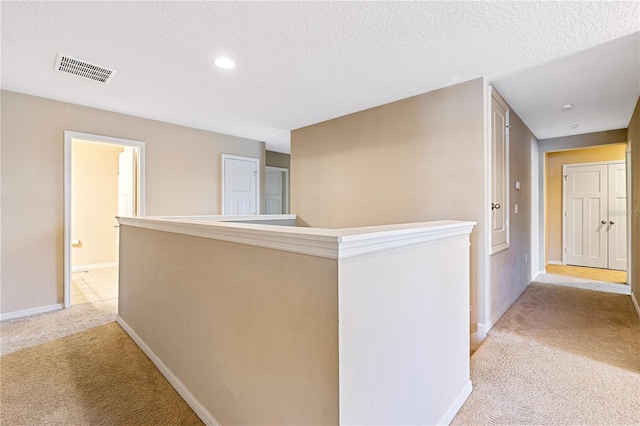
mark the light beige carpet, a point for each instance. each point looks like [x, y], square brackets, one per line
[93, 377]
[26, 332]
[559, 356]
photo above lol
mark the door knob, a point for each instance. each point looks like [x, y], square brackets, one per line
[611, 222]
[604, 222]
[495, 206]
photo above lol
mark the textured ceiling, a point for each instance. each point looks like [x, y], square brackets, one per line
[300, 63]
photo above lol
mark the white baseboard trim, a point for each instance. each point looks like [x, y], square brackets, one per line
[31, 311]
[554, 262]
[478, 338]
[505, 306]
[82, 268]
[204, 414]
[635, 303]
[456, 404]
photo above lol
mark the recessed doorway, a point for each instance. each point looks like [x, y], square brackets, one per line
[104, 178]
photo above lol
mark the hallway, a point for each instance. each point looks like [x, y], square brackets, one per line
[560, 355]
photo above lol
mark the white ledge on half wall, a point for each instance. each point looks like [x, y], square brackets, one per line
[322, 242]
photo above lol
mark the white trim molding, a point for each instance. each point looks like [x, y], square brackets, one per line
[456, 404]
[478, 338]
[200, 410]
[483, 328]
[330, 243]
[554, 262]
[635, 303]
[31, 311]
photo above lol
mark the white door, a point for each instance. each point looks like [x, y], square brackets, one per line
[126, 182]
[586, 214]
[499, 174]
[240, 183]
[596, 215]
[617, 225]
[273, 194]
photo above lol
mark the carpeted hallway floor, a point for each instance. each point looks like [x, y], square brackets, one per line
[559, 356]
[78, 367]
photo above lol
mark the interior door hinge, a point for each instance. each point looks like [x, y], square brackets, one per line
[565, 177]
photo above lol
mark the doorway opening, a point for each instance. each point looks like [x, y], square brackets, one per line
[581, 191]
[276, 190]
[104, 179]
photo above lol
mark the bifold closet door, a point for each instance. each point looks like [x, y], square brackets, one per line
[596, 215]
[586, 214]
[617, 224]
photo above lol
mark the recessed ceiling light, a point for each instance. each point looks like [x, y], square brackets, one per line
[567, 107]
[574, 126]
[225, 63]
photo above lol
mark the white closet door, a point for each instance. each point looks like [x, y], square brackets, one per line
[499, 175]
[617, 220]
[586, 210]
[273, 193]
[240, 185]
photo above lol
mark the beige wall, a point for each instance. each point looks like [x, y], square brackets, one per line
[553, 178]
[94, 205]
[510, 270]
[418, 159]
[255, 342]
[183, 169]
[634, 137]
[278, 159]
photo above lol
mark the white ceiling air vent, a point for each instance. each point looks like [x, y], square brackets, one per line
[84, 69]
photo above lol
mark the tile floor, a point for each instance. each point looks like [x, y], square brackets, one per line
[94, 285]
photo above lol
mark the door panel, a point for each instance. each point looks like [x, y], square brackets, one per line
[596, 215]
[273, 192]
[617, 225]
[240, 186]
[499, 176]
[586, 207]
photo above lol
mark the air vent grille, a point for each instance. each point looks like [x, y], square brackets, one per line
[84, 69]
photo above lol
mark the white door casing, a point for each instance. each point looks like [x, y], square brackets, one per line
[617, 216]
[629, 211]
[499, 174]
[69, 136]
[126, 182]
[594, 222]
[240, 185]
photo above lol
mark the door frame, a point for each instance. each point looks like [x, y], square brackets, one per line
[223, 191]
[285, 172]
[69, 136]
[564, 205]
[629, 209]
